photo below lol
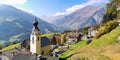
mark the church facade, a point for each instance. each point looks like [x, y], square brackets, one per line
[39, 45]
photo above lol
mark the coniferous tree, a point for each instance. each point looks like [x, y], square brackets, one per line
[111, 11]
[53, 40]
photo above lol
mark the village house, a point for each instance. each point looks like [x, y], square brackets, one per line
[118, 12]
[91, 32]
[58, 39]
[119, 22]
[118, 9]
[94, 32]
[72, 37]
[3, 57]
[33, 57]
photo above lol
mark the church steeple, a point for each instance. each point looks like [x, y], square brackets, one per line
[35, 39]
[35, 23]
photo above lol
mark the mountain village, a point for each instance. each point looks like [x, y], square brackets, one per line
[97, 42]
[49, 48]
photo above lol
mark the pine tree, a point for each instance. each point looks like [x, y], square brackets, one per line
[53, 40]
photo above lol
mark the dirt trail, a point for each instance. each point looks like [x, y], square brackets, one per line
[113, 56]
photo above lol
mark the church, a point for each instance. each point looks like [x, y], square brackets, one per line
[36, 47]
[39, 45]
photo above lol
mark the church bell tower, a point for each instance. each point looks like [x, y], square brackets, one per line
[35, 39]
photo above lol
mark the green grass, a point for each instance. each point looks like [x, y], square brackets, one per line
[50, 34]
[10, 47]
[16, 37]
[75, 46]
[2, 42]
[102, 57]
[106, 39]
[79, 44]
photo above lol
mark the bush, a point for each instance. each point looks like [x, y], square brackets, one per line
[111, 25]
[0, 47]
[85, 30]
[108, 27]
[53, 40]
[63, 38]
[13, 43]
[89, 41]
[100, 33]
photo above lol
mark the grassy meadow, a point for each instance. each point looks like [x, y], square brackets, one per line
[104, 48]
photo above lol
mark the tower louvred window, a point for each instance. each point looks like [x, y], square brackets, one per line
[38, 38]
[33, 40]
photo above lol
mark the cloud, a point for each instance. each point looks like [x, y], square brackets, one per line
[17, 3]
[76, 7]
[13, 2]
[26, 9]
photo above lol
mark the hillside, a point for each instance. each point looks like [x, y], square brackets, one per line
[104, 48]
[16, 25]
[87, 16]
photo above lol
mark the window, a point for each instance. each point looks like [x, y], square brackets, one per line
[38, 38]
[33, 40]
[42, 52]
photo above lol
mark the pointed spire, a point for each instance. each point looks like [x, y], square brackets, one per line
[35, 23]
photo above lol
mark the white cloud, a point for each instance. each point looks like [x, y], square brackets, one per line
[76, 7]
[13, 2]
[17, 3]
[25, 9]
[70, 10]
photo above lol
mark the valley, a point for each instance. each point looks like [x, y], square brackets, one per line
[89, 31]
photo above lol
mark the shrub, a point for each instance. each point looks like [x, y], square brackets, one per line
[13, 43]
[53, 40]
[63, 38]
[108, 27]
[100, 33]
[111, 25]
[85, 30]
[89, 41]
[0, 47]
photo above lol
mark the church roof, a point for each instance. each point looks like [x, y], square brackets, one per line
[32, 57]
[73, 35]
[45, 41]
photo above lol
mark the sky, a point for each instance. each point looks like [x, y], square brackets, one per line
[42, 8]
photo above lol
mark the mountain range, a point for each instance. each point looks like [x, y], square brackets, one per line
[87, 16]
[16, 24]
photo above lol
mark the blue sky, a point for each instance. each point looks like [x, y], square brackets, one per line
[48, 7]
[51, 7]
